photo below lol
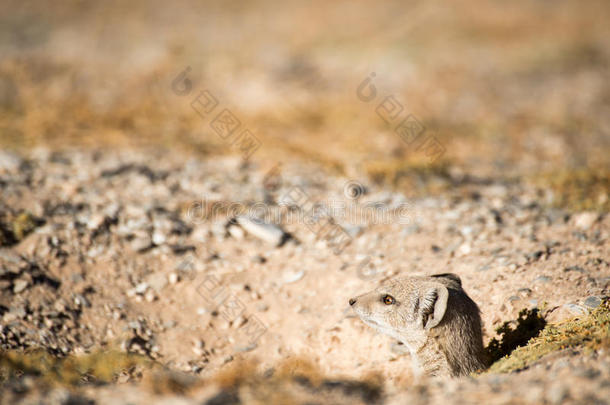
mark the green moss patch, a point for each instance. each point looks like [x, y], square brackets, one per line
[578, 190]
[98, 367]
[515, 334]
[13, 228]
[589, 333]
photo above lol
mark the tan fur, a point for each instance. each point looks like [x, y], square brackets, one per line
[434, 317]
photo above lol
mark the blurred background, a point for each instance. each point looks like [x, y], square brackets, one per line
[510, 90]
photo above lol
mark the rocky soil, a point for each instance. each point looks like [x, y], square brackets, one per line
[203, 265]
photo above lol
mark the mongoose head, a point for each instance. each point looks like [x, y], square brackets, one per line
[427, 314]
[406, 309]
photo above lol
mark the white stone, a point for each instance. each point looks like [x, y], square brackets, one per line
[585, 220]
[293, 277]
[173, 278]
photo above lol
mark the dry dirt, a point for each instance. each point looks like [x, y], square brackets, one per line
[137, 256]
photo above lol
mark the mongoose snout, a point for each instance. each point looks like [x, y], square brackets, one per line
[433, 316]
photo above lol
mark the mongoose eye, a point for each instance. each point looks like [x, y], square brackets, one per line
[388, 299]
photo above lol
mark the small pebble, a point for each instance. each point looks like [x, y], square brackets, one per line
[557, 393]
[245, 348]
[157, 281]
[95, 221]
[236, 232]
[593, 301]
[268, 232]
[158, 238]
[293, 277]
[259, 259]
[399, 348]
[141, 288]
[585, 220]
[576, 309]
[141, 243]
[150, 296]
[19, 286]
[484, 267]
[464, 249]
[81, 301]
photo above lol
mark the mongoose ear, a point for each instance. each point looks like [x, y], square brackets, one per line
[449, 276]
[434, 305]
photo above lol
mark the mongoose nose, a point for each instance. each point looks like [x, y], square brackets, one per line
[352, 301]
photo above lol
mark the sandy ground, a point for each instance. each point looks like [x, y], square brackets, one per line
[138, 255]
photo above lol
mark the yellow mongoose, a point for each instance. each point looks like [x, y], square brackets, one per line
[434, 317]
